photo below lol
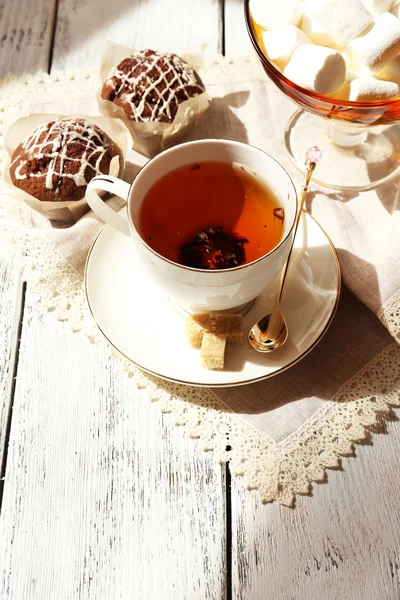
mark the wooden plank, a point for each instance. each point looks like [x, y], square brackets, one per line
[181, 26]
[343, 542]
[237, 41]
[26, 35]
[104, 496]
[10, 316]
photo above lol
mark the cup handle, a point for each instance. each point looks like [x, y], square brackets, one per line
[115, 186]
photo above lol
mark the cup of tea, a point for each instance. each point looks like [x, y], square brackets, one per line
[211, 221]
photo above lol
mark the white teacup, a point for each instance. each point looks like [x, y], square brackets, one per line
[201, 290]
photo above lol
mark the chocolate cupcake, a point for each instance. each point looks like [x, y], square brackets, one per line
[149, 86]
[56, 161]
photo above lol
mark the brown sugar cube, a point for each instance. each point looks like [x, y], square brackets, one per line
[212, 352]
[195, 327]
[231, 326]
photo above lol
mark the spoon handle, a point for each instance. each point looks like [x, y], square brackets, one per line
[310, 166]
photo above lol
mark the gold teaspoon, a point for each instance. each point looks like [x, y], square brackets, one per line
[271, 331]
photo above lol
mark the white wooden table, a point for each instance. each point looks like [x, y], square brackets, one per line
[104, 498]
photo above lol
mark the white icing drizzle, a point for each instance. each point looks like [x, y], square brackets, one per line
[55, 147]
[183, 76]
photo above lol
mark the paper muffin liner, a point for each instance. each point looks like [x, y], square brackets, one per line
[68, 211]
[149, 138]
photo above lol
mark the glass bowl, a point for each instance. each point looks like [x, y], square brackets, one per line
[360, 141]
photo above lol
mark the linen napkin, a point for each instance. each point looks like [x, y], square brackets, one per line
[363, 226]
[357, 357]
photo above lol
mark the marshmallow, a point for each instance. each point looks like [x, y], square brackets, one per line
[343, 20]
[366, 89]
[379, 44]
[273, 13]
[396, 10]
[316, 68]
[391, 72]
[377, 7]
[343, 92]
[350, 64]
[313, 28]
[281, 42]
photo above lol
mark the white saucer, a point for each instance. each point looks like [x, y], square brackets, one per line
[140, 321]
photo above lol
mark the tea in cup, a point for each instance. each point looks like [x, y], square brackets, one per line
[211, 221]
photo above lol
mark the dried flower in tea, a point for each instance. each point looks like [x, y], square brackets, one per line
[214, 248]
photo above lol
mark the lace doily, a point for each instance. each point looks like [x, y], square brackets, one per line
[278, 470]
[390, 315]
